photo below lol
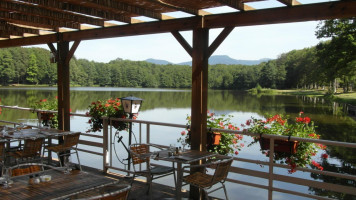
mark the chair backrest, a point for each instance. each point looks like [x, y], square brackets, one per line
[136, 150]
[25, 170]
[221, 170]
[71, 140]
[32, 147]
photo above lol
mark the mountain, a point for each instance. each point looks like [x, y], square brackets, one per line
[213, 60]
[224, 59]
[158, 62]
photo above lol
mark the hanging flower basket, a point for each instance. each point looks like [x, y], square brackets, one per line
[280, 146]
[216, 138]
[45, 116]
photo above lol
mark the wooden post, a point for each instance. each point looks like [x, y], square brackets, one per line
[199, 94]
[63, 86]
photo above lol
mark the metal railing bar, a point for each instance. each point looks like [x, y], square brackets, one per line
[301, 194]
[247, 183]
[150, 122]
[88, 151]
[327, 173]
[92, 135]
[90, 143]
[316, 184]
[249, 172]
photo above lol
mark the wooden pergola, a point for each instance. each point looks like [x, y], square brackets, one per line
[32, 22]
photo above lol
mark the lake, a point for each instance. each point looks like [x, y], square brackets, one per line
[173, 106]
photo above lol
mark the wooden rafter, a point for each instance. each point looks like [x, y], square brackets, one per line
[237, 4]
[290, 2]
[32, 9]
[168, 5]
[36, 21]
[117, 7]
[74, 8]
[4, 26]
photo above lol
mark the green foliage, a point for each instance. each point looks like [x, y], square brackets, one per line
[111, 108]
[227, 144]
[32, 70]
[300, 127]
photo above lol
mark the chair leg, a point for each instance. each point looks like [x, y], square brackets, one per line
[133, 179]
[59, 159]
[80, 167]
[205, 193]
[227, 198]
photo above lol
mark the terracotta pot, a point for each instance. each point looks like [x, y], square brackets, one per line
[216, 138]
[282, 146]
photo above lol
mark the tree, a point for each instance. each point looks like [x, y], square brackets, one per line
[339, 54]
[32, 70]
[7, 72]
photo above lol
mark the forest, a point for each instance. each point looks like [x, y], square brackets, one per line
[330, 63]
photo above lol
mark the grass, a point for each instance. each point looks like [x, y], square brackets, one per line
[349, 97]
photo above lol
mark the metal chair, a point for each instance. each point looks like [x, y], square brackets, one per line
[220, 166]
[140, 154]
[31, 151]
[69, 146]
[110, 192]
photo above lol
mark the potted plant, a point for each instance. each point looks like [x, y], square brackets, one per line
[218, 142]
[295, 154]
[45, 104]
[111, 108]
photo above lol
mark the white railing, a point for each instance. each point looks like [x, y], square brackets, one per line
[271, 176]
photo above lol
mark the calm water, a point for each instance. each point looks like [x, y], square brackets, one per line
[173, 106]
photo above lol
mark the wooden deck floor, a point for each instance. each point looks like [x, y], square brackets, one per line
[139, 188]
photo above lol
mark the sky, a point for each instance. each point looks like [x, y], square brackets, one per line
[243, 43]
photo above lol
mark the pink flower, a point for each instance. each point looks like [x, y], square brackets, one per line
[236, 152]
[242, 144]
[182, 133]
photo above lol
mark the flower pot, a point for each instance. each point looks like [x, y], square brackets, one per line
[216, 138]
[282, 146]
[46, 116]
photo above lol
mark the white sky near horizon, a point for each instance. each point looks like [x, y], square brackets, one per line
[243, 43]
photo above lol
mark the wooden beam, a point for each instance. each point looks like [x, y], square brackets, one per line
[290, 2]
[57, 5]
[72, 50]
[4, 26]
[217, 42]
[199, 94]
[300, 13]
[183, 42]
[237, 4]
[168, 5]
[35, 10]
[63, 86]
[36, 21]
[117, 7]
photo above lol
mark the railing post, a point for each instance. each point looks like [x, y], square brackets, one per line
[270, 168]
[105, 144]
[148, 134]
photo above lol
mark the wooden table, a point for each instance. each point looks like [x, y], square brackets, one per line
[187, 157]
[60, 187]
